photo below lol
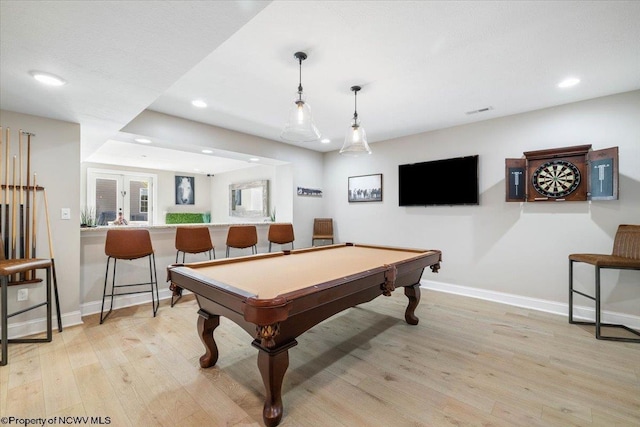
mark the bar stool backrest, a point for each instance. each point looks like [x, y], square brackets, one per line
[281, 233]
[242, 236]
[627, 241]
[128, 244]
[193, 240]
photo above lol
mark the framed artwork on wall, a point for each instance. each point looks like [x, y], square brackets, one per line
[309, 192]
[365, 188]
[185, 189]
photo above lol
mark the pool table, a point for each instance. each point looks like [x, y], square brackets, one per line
[276, 297]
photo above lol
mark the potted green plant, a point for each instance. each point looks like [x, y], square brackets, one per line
[88, 217]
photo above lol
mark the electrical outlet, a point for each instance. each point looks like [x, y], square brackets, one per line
[23, 294]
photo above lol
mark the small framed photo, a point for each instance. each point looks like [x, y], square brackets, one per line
[309, 192]
[185, 188]
[365, 188]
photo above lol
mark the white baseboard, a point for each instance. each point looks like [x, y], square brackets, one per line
[554, 307]
[17, 330]
[36, 326]
[94, 307]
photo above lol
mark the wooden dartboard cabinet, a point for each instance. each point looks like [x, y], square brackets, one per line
[565, 174]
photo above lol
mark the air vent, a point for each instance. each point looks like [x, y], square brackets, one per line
[481, 110]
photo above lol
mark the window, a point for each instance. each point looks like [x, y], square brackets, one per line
[144, 200]
[110, 191]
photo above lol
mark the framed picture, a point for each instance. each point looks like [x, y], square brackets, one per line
[185, 188]
[365, 188]
[309, 192]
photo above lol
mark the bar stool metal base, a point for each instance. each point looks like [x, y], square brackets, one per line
[598, 320]
[4, 321]
[155, 298]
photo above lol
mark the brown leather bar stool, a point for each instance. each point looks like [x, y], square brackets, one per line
[625, 256]
[9, 268]
[192, 240]
[281, 234]
[129, 245]
[241, 237]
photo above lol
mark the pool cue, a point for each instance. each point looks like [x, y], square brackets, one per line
[7, 234]
[33, 217]
[14, 217]
[20, 236]
[53, 263]
[14, 213]
[26, 239]
[1, 205]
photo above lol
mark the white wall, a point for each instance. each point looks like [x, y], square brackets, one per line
[499, 247]
[55, 156]
[303, 167]
[492, 250]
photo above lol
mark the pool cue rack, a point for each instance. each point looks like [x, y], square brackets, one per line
[19, 204]
[21, 243]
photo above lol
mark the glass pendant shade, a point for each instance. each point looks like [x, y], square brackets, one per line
[300, 126]
[355, 143]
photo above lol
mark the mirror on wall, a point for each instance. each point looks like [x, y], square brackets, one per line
[249, 199]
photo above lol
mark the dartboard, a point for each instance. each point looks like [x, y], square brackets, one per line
[556, 178]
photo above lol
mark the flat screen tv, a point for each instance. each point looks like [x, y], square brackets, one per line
[439, 182]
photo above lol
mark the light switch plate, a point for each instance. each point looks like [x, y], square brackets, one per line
[65, 213]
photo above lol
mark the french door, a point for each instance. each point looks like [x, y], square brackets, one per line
[110, 192]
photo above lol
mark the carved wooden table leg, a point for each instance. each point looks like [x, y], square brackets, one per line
[413, 293]
[272, 365]
[207, 323]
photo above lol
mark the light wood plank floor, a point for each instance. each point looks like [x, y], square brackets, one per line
[468, 362]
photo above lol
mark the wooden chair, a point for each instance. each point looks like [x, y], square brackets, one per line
[13, 267]
[625, 256]
[192, 240]
[281, 234]
[129, 244]
[322, 230]
[241, 237]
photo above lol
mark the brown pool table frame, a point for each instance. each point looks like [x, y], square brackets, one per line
[276, 323]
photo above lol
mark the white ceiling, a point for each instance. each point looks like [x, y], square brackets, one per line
[422, 65]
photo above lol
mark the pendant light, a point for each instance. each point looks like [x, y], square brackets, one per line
[300, 127]
[355, 143]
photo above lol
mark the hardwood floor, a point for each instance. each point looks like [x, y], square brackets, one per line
[468, 362]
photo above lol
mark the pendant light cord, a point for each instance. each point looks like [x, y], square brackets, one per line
[300, 80]
[355, 105]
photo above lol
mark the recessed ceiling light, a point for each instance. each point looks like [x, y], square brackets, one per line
[254, 159]
[143, 140]
[48, 78]
[199, 103]
[325, 140]
[571, 81]
[207, 151]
